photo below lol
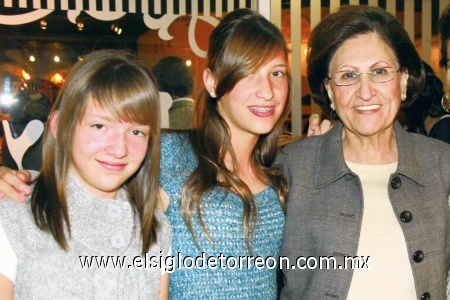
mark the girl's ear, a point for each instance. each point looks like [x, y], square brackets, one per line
[53, 122]
[210, 82]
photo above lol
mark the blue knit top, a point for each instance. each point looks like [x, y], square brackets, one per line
[211, 270]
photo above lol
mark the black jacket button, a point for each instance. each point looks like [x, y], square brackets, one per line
[396, 183]
[418, 256]
[426, 296]
[406, 216]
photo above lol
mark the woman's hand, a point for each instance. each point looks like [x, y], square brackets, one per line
[317, 128]
[13, 184]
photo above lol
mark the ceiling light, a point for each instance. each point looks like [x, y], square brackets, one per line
[80, 25]
[116, 28]
[43, 24]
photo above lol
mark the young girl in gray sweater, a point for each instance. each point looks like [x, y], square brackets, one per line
[90, 229]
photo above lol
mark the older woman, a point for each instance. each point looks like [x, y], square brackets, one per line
[366, 189]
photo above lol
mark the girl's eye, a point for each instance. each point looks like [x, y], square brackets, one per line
[98, 126]
[278, 74]
[138, 133]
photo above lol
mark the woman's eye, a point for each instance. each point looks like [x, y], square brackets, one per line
[348, 75]
[379, 71]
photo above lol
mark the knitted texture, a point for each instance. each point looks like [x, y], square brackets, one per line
[223, 216]
[99, 227]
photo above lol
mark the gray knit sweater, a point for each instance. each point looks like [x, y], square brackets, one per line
[100, 227]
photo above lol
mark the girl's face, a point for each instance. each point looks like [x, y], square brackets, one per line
[105, 151]
[256, 103]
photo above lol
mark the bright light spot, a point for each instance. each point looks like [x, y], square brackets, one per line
[188, 63]
[56, 58]
[116, 28]
[43, 24]
[57, 78]
[80, 26]
[7, 99]
[25, 75]
[32, 58]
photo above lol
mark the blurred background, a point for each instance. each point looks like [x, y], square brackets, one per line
[42, 39]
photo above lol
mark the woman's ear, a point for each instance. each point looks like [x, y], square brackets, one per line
[404, 84]
[53, 122]
[210, 82]
[330, 93]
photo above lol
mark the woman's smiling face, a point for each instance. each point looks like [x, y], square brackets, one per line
[366, 108]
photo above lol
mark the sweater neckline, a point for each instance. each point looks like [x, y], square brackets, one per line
[103, 225]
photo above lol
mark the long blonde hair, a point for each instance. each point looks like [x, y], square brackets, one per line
[242, 43]
[117, 81]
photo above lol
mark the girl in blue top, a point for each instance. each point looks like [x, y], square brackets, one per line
[223, 196]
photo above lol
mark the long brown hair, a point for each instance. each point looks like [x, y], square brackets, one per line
[117, 81]
[242, 43]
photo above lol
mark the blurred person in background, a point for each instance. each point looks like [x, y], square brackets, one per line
[426, 115]
[175, 78]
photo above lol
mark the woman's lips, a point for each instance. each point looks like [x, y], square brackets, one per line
[367, 108]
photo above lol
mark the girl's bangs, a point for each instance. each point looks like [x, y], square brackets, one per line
[129, 103]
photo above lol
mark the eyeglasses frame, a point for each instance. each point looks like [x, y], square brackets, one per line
[361, 73]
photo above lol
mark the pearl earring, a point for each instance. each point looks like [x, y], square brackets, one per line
[213, 94]
[332, 105]
[446, 102]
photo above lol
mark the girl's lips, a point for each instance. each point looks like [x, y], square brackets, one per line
[112, 166]
[262, 111]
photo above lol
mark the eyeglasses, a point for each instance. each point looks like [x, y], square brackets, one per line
[446, 102]
[344, 78]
